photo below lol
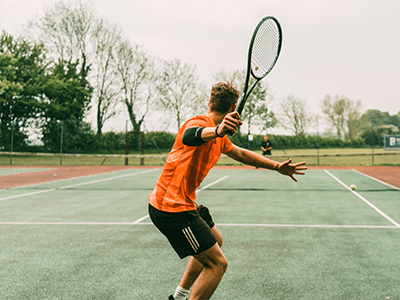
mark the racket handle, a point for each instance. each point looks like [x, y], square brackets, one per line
[230, 133]
[239, 109]
[241, 103]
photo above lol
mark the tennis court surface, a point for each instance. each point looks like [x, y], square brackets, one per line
[89, 237]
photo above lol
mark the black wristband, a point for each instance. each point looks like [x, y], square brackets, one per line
[216, 131]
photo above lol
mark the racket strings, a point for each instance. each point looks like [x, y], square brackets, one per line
[265, 49]
[267, 43]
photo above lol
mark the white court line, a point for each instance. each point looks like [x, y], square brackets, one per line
[218, 224]
[105, 179]
[140, 220]
[212, 183]
[27, 194]
[66, 223]
[74, 185]
[380, 181]
[303, 225]
[365, 200]
[198, 191]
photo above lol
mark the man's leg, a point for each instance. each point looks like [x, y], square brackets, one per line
[194, 267]
[215, 264]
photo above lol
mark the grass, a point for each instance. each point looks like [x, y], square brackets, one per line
[333, 157]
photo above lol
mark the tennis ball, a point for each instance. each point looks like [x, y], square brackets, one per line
[55, 174]
[353, 187]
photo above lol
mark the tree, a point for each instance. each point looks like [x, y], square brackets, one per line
[270, 120]
[256, 111]
[379, 118]
[177, 89]
[138, 74]
[296, 115]
[22, 76]
[375, 124]
[66, 98]
[67, 30]
[74, 33]
[343, 114]
[105, 67]
[200, 104]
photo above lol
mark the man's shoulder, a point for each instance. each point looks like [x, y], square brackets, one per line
[200, 120]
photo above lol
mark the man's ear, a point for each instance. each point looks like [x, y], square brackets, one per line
[233, 107]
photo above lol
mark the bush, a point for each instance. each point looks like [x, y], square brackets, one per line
[158, 141]
[87, 141]
[293, 142]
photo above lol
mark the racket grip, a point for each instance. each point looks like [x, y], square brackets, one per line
[230, 133]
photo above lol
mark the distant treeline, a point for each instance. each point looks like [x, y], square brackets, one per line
[87, 141]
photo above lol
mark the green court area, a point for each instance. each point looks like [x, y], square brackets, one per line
[91, 238]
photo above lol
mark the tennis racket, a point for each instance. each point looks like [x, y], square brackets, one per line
[264, 50]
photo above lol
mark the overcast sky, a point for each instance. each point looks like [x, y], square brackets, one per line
[344, 47]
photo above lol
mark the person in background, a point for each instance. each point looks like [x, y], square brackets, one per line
[266, 146]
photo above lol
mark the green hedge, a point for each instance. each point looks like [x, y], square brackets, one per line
[161, 141]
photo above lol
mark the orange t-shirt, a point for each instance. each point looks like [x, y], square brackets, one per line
[185, 169]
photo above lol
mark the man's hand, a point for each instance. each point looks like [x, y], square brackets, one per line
[230, 123]
[286, 168]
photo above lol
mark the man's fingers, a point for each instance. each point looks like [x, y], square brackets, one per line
[289, 169]
[301, 164]
[300, 173]
[228, 127]
[232, 124]
[233, 121]
[234, 114]
[301, 168]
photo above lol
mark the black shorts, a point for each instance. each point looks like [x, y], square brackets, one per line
[189, 232]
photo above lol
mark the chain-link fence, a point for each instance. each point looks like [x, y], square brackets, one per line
[72, 142]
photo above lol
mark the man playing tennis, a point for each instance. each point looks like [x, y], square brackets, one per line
[172, 208]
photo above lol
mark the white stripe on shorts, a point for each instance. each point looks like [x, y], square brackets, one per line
[191, 238]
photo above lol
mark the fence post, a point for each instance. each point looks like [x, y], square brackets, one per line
[126, 148]
[372, 140]
[12, 141]
[141, 148]
[317, 142]
[61, 143]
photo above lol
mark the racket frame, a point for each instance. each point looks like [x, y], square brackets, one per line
[246, 90]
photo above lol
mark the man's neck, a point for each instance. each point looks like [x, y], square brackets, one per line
[217, 117]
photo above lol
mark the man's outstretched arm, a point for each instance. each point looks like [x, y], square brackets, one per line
[253, 159]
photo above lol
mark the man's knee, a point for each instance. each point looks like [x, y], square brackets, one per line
[213, 258]
[220, 265]
[224, 265]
